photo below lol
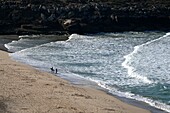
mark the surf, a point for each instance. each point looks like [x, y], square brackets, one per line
[99, 58]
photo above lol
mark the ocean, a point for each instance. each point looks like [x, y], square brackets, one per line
[132, 65]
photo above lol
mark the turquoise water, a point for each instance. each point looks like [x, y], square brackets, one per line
[134, 65]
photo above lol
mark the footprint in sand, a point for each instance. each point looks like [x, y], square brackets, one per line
[81, 95]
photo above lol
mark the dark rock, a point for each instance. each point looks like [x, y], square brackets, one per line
[42, 16]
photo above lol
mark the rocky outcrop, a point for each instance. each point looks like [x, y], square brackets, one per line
[42, 17]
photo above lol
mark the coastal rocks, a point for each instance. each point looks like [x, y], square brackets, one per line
[72, 25]
[15, 15]
[82, 16]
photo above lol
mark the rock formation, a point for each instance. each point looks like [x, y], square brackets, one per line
[81, 16]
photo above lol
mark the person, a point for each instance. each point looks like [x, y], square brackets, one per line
[56, 70]
[52, 69]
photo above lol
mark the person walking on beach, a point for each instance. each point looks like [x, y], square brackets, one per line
[52, 69]
[56, 70]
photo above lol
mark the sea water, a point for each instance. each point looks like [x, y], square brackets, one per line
[134, 65]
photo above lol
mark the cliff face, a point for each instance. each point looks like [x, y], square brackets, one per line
[82, 16]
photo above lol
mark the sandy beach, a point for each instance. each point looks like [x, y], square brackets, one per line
[27, 90]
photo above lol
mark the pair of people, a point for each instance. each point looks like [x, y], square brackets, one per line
[52, 69]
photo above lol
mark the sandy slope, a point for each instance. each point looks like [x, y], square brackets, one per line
[26, 90]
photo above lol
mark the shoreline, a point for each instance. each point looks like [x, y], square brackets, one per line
[82, 94]
[7, 39]
[85, 84]
[88, 84]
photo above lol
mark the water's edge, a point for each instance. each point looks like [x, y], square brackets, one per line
[89, 83]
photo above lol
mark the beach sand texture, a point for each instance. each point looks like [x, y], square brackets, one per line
[24, 89]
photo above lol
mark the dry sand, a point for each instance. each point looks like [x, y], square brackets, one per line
[24, 89]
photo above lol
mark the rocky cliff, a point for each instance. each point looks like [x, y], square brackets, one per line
[83, 16]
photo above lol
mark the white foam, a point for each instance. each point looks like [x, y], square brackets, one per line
[131, 70]
[29, 36]
[10, 46]
[129, 95]
[72, 36]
